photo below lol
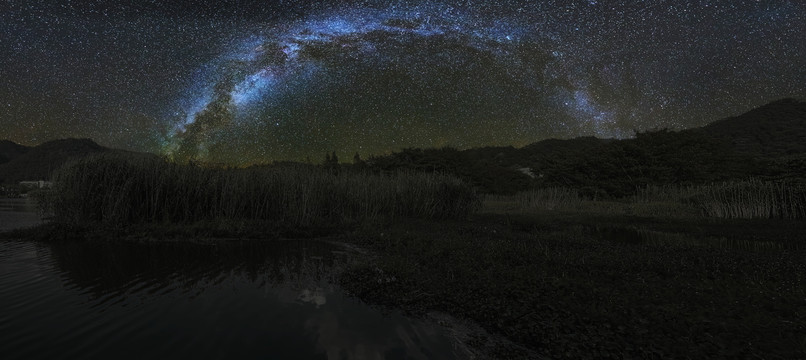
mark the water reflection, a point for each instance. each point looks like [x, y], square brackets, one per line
[238, 299]
[18, 204]
[106, 268]
[18, 213]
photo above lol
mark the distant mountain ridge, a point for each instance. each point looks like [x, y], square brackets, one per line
[10, 150]
[767, 141]
[774, 129]
[38, 162]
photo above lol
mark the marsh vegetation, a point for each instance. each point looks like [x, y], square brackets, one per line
[120, 190]
[740, 199]
[668, 271]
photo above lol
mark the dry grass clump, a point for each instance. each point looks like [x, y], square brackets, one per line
[752, 199]
[553, 198]
[745, 199]
[664, 193]
[117, 189]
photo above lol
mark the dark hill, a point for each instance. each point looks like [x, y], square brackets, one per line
[556, 147]
[9, 150]
[772, 130]
[767, 142]
[37, 163]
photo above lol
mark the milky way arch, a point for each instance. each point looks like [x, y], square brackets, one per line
[381, 76]
[373, 78]
[251, 81]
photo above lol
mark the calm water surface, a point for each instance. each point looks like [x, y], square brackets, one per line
[18, 213]
[235, 299]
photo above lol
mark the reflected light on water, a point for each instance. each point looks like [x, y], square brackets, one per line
[233, 299]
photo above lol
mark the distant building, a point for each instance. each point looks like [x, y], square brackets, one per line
[528, 172]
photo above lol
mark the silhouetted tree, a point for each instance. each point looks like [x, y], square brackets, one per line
[331, 161]
[359, 163]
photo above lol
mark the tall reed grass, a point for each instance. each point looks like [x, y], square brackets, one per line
[745, 199]
[119, 189]
[752, 199]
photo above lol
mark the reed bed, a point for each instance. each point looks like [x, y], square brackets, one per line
[745, 199]
[119, 189]
[752, 199]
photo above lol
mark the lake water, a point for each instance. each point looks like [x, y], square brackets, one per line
[18, 213]
[227, 299]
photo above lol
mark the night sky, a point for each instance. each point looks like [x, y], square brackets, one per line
[254, 81]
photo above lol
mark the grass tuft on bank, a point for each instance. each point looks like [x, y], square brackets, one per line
[740, 199]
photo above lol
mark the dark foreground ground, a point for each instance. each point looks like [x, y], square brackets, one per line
[579, 285]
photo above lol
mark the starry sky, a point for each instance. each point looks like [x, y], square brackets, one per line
[241, 82]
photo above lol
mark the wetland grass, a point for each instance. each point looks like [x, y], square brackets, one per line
[121, 190]
[744, 199]
[547, 280]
